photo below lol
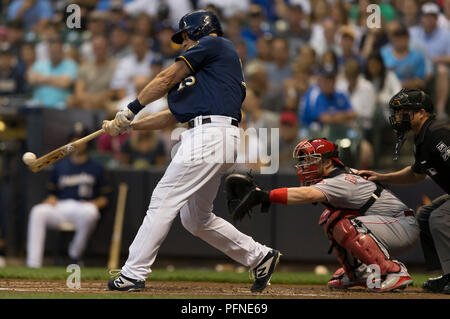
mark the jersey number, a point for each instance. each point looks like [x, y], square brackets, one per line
[189, 81]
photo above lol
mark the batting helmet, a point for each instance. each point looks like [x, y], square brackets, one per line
[309, 154]
[198, 24]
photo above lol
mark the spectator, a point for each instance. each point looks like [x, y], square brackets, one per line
[15, 35]
[257, 27]
[34, 14]
[298, 33]
[409, 12]
[27, 55]
[119, 40]
[280, 69]
[444, 18]
[228, 8]
[308, 55]
[385, 81]
[12, 74]
[408, 64]
[347, 48]
[137, 63]
[359, 14]
[77, 194]
[232, 28]
[96, 26]
[143, 150]
[52, 79]
[363, 100]
[297, 86]
[164, 45]
[143, 25]
[330, 60]
[325, 107]
[264, 50]
[173, 10]
[394, 27]
[256, 116]
[325, 38]
[92, 89]
[288, 139]
[437, 44]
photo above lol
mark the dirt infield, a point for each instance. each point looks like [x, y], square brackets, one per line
[207, 290]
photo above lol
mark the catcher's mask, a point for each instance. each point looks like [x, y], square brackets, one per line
[310, 155]
[401, 105]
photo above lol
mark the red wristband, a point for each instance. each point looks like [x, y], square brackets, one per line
[279, 195]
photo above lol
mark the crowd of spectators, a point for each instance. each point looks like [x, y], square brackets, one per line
[313, 68]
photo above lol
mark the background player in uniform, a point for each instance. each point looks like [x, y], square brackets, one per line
[205, 88]
[77, 192]
[413, 110]
[365, 223]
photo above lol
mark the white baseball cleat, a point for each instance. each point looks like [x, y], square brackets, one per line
[394, 280]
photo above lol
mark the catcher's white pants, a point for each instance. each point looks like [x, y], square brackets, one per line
[83, 215]
[189, 186]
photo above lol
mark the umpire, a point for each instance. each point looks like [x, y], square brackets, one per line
[413, 110]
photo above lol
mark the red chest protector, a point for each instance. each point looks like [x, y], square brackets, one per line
[331, 215]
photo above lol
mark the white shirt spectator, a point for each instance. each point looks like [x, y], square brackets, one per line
[129, 67]
[177, 8]
[363, 99]
[229, 8]
[443, 22]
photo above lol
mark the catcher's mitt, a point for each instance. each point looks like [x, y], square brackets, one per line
[243, 194]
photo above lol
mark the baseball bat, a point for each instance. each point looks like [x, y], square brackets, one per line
[61, 152]
[114, 251]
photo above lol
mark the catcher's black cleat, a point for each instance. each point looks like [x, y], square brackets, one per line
[122, 283]
[263, 272]
[440, 284]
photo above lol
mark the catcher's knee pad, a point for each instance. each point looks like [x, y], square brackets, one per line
[362, 246]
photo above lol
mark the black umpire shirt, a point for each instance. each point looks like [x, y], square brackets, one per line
[432, 152]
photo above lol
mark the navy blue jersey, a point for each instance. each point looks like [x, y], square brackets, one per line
[80, 182]
[216, 85]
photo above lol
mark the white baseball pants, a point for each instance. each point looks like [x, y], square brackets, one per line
[83, 215]
[189, 186]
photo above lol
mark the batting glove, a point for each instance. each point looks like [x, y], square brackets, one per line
[124, 118]
[112, 129]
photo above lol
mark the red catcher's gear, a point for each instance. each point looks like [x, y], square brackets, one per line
[309, 154]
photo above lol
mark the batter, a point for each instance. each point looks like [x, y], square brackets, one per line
[205, 88]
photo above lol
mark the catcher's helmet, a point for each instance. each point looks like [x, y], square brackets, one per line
[198, 24]
[309, 154]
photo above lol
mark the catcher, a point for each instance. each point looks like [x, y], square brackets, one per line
[365, 223]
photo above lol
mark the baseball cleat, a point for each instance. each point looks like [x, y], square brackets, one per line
[393, 281]
[263, 272]
[439, 284]
[341, 280]
[123, 283]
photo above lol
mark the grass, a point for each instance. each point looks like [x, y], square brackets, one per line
[197, 275]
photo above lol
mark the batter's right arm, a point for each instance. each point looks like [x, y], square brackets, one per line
[404, 176]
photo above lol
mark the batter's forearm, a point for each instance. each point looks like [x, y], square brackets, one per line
[155, 121]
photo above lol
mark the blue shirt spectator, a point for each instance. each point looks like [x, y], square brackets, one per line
[52, 79]
[314, 103]
[30, 12]
[410, 66]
